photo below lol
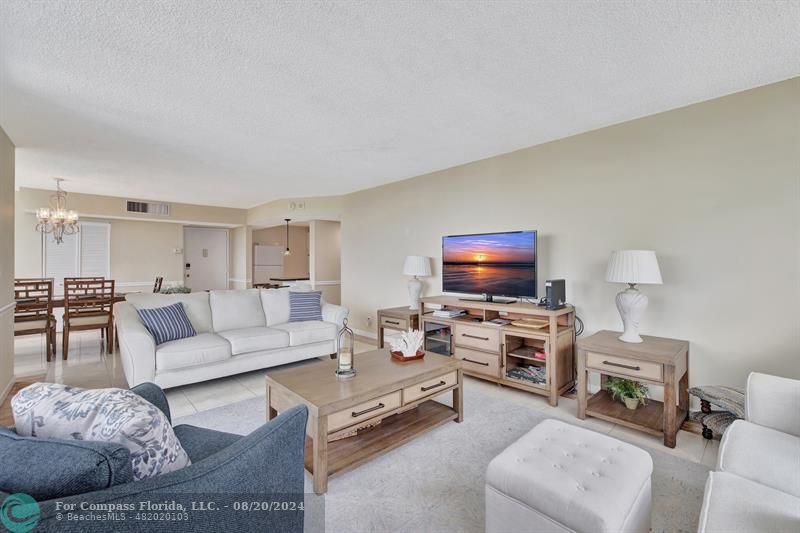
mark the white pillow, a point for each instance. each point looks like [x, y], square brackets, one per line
[236, 309]
[52, 410]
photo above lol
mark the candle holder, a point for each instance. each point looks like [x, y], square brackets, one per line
[345, 351]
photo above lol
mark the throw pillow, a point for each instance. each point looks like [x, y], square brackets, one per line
[51, 468]
[51, 410]
[305, 306]
[168, 323]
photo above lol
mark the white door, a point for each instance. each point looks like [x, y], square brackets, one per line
[205, 257]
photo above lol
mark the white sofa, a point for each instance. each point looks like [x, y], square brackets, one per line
[237, 331]
[756, 485]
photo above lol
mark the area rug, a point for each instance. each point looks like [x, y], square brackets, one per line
[436, 482]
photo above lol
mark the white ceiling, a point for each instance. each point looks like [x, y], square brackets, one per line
[236, 103]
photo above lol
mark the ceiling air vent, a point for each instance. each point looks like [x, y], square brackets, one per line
[148, 208]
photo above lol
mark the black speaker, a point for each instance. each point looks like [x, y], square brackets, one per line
[556, 294]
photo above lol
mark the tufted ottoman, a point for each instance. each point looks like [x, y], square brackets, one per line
[560, 477]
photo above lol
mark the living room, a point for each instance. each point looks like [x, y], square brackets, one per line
[436, 266]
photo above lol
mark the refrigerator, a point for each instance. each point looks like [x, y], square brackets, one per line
[267, 263]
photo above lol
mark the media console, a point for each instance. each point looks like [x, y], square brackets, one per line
[540, 361]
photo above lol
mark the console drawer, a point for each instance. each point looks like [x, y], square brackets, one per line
[429, 387]
[477, 337]
[479, 362]
[363, 411]
[625, 367]
[394, 323]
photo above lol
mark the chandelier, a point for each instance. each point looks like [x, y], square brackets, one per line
[56, 219]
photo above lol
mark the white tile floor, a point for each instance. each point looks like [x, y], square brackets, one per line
[88, 366]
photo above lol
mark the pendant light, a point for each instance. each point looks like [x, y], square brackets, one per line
[287, 251]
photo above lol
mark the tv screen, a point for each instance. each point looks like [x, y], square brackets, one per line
[499, 264]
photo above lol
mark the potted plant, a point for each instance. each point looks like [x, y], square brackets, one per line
[632, 393]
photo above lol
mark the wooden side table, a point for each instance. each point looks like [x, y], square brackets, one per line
[399, 318]
[657, 361]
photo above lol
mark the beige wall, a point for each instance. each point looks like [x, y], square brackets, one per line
[241, 255]
[714, 188]
[295, 265]
[89, 205]
[140, 251]
[6, 264]
[325, 263]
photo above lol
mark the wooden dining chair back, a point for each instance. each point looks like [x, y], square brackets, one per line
[33, 314]
[158, 283]
[88, 304]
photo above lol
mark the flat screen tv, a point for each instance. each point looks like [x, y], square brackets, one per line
[490, 264]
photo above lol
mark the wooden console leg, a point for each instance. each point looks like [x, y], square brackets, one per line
[320, 459]
[582, 384]
[458, 396]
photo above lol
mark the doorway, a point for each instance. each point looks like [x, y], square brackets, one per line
[205, 258]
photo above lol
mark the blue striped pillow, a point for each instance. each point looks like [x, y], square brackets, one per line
[168, 323]
[305, 306]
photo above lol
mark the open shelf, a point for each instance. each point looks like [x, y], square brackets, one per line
[393, 431]
[648, 418]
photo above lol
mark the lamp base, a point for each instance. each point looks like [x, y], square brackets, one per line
[414, 291]
[631, 305]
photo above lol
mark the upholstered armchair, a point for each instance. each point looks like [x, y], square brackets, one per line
[264, 466]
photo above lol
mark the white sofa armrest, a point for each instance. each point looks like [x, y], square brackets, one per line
[773, 402]
[136, 345]
[334, 313]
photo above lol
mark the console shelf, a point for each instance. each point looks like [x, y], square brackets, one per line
[491, 352]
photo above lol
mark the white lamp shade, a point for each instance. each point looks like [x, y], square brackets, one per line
[633, 266]
[417, 265]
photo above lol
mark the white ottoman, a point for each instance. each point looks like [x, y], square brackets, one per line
[560, 477]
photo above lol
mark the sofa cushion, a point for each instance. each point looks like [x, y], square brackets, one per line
[168, 323]
[305, 305]
[191, 351]
[732, 503]
[761, 454]
[276, 305]
[200, 443]
[247, 340]
[195, 304]
[53, 410]
[236, 309]
[26, 465]
[308, 332]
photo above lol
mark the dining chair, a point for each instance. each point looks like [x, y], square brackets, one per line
[88, 304]
[33, 314]
[158, 283]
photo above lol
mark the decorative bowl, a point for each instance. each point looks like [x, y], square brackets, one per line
[398, 356]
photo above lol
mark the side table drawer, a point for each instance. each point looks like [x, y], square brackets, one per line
[394, 323]
[363, 411]
[625, 366]
[482, 338]
[429, 387]
[481, 362]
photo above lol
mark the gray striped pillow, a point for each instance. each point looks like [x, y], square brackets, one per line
[305, 306]
[168, 323]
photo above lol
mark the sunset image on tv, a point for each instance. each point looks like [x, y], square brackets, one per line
[502, 264]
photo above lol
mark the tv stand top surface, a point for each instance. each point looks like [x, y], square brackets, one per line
[516, 307]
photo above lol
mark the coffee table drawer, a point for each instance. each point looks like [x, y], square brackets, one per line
[394, 323]
[626, 367]
[363, 411]
[477, 337]
[481, 362]
[429, 387]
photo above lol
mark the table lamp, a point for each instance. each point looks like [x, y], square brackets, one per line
[632, 267]
[416, 265]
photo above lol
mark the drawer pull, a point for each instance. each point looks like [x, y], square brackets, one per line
[476, 362]
[425, 389]
[365, 411]
[396, 323]
[629, 367]
[475, 337]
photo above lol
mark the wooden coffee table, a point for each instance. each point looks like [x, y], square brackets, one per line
[396, 399]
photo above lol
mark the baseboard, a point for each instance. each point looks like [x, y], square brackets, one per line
[4, 393]
[365, 333]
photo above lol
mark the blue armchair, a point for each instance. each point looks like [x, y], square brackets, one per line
[230, 480]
